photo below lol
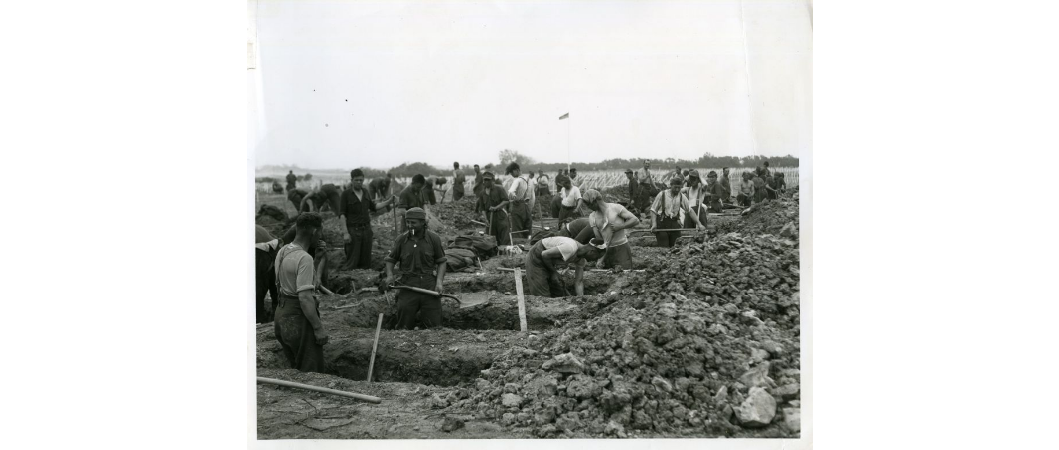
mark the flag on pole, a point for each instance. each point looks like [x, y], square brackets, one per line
[564, 116]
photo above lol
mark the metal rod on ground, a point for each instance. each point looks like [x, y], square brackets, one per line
[291, 384]
[374, 347]
[521, 300]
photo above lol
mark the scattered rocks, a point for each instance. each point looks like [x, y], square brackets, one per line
[792, 418]
[511, 400]
[662, 384]
[787, 392]
[564, 363]
[451, 424]
[757, 410]
[757, 376]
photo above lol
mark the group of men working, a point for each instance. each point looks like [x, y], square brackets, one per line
[291, 268]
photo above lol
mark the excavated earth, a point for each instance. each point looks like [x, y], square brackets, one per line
[702, 342]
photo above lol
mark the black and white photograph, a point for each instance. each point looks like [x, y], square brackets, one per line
[530, 219]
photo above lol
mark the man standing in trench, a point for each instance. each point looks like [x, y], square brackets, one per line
[356, 206]
[420, 257]
[609, 222]
[519, 196]
[410, 197]
[298, 328]
[491, 202]
[292, 181]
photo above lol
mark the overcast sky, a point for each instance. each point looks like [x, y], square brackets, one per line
[374, 84]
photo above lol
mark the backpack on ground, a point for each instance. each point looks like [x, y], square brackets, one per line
[459, 258]
[484, 247]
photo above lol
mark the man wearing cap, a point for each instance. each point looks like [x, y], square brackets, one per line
[697, 195]
[518, 201]
[669, 204]
[458, 179]
[491, 202]
[609, 222]
[420, 260]
[356, 206]
[478, 178]
[542, 277]
[409, 198]
[634, 190]
[298, 329]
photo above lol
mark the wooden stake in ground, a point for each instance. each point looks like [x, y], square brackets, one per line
[521, 300]
[374, 347]
[291, 384]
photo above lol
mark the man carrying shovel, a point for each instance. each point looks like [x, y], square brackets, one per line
[491, 201]
[420, 259]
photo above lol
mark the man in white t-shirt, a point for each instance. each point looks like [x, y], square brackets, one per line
[609, 222]
[542, 277]
[518, 195]
[570, 195]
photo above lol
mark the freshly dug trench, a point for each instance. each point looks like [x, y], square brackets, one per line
[439, 357]
[504, 282]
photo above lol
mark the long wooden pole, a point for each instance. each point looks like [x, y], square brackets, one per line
[291, 384]
[374, 347]
[521, 300]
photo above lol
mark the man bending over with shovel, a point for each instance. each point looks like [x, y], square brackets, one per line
[420, 258]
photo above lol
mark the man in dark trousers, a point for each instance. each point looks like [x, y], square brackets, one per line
[477, 180]
[410, 197]
[299, 330]
[519, 200]
[356, 206]
[634, 190]
[726, 187]
[292, 181]
[458, 180]
[420, 259]
[491, 203]
[668, 205]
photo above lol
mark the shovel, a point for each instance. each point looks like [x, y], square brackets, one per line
[424, 291]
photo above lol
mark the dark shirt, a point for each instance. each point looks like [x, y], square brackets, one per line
[356, 209]
[493, 197]
[409, 199]
[417, 255]
[477, 178]
[291, 178]
[726, 186]
[634, 188]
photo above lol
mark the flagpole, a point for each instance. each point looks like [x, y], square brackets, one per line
[567, 142]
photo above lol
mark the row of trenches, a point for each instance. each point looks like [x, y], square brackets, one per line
[483, 325]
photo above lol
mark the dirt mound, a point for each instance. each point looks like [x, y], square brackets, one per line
[768, 217]
[456, 215]
[679, 351]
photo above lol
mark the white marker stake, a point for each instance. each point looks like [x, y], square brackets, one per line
[521, 299]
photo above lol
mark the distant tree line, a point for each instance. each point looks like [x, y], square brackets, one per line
[506, 156]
